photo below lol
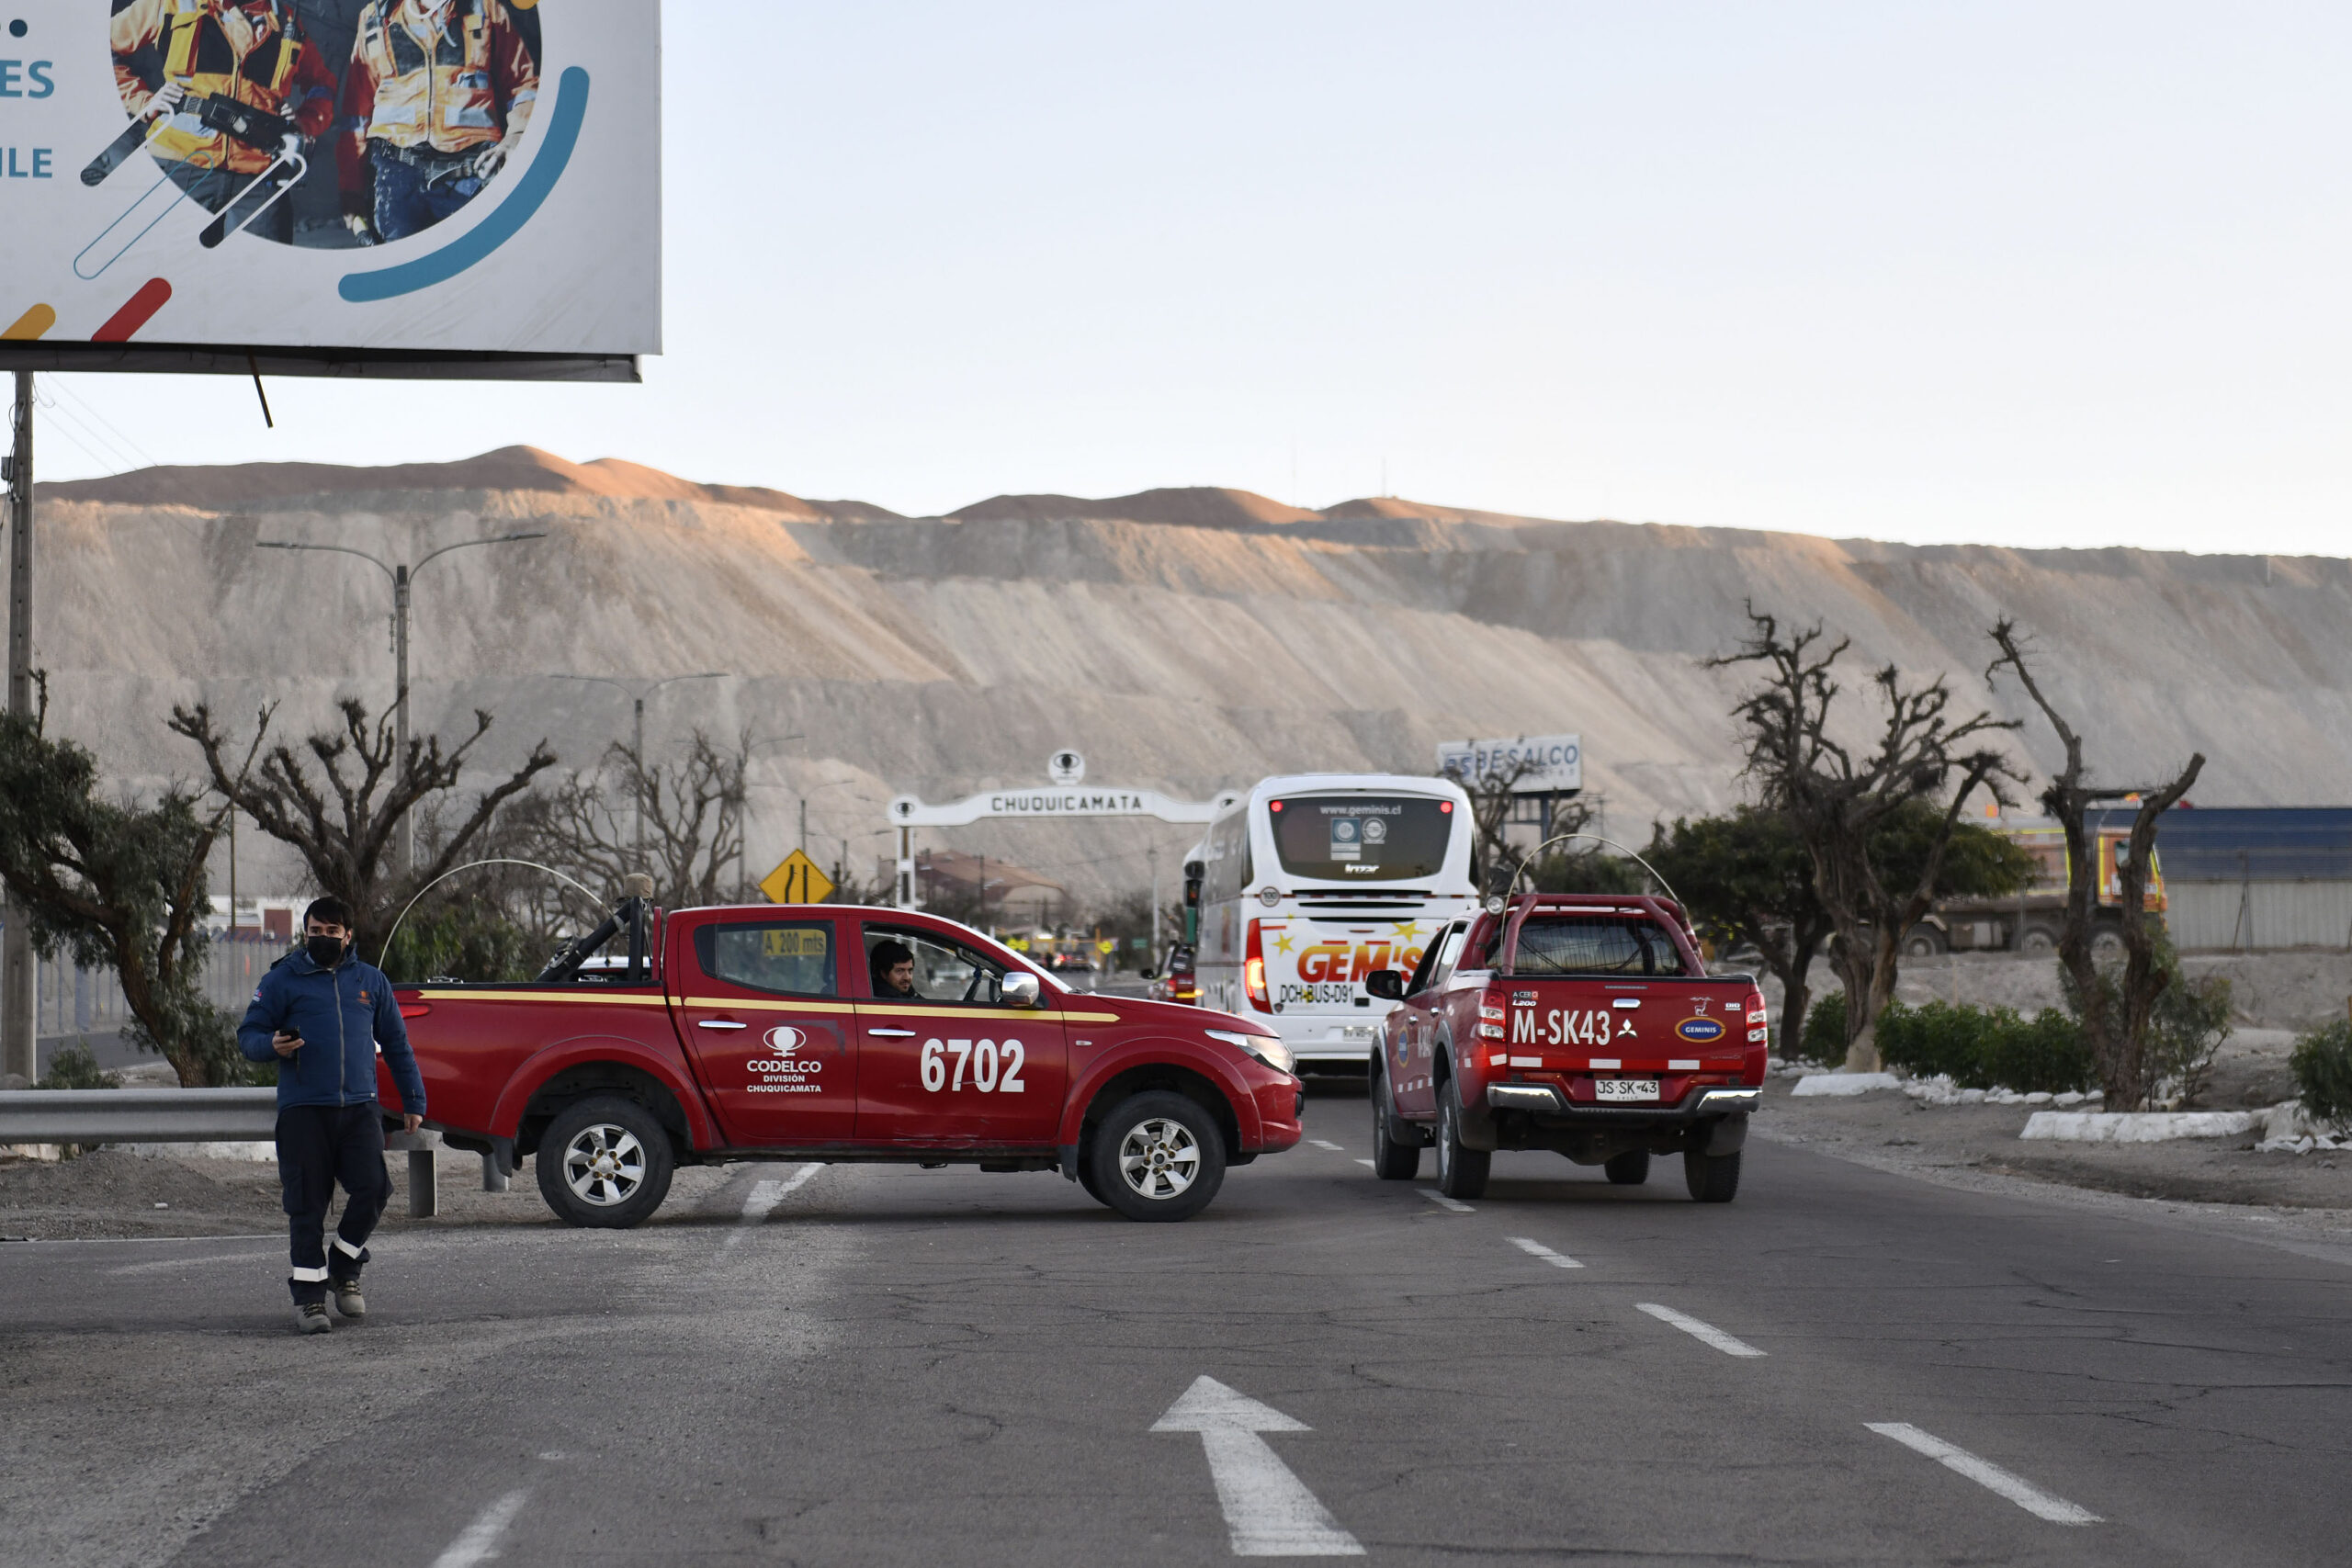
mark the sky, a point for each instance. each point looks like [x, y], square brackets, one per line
[2021, 273]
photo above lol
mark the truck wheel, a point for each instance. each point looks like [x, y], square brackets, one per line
[1158, 1156]
[1086, 1180]
[2107, 941]
[604, 1163]
[1713, 1178]
[1391, 1160]
[1925, 941]
[1628, 1170]
[2037, 939]
[1461, 1173]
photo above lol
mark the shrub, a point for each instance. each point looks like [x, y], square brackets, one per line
[1987, 1047]
[2323, 1068]
[76, 1067]
[1823, 1039]
[2186, 1028]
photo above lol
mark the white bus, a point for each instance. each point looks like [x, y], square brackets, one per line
[1314, 880]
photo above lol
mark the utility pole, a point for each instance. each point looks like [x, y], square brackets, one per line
[637, 730]
[1152, 854]
[403, 576]
[16, 977]
[804, 824]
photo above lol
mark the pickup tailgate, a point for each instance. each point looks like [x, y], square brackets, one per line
[1641, 1044]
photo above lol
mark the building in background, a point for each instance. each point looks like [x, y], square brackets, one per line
[2246, 878]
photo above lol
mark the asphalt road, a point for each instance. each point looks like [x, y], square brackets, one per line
[897, 1366]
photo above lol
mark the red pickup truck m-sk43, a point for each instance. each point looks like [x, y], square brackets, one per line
[842, 1034]
[1578, 1023]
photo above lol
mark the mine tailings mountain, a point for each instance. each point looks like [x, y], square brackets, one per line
[1185, 639]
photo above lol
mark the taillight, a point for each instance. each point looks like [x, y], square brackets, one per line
[413, 1010]
[1253, 971]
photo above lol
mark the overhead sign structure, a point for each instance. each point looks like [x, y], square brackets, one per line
[906, 811]
[209, 184]
[797, 881]
[1534, 764]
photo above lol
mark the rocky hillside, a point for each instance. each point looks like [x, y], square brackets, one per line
[1182, 638]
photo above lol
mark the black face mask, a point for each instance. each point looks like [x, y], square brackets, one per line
[324, 950]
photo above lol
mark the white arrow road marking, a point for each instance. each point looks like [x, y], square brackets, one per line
[1697, 1330]
[1534, 1249]
[1985, 1473]
[477, 1542]
[1442, 1202]
[763, 1198]
[1269, 1512]
[1361, 1160]
[1320, 1143]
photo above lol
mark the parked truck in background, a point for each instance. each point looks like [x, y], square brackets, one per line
[2034, 920]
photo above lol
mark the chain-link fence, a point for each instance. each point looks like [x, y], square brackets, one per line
[70, 1000]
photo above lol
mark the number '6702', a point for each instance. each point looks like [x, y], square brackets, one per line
[995, 1070]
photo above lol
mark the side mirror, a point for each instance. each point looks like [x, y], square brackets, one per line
[1388, 985]
[1020, 988]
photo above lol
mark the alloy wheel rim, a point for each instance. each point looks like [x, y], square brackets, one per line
[1160, 1159]
[604, 1165]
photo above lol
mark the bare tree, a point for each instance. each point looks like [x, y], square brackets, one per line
[2115, 1017]
[1835, 798]
[340, 796]
[693, 806]
[1493, 796]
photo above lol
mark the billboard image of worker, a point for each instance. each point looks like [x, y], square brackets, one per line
[473, 176]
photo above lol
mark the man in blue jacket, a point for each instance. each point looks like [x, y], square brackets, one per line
[321, 1013]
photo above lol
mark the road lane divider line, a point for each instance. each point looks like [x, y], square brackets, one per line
[477, 1542]
[1324, 1144]
[1534, 1249]
[1364, 1162]
[166, 1265]
[1442, 1202]
[765, 1195]
[1985, 1473]
[1707, 1333]
[1268, 1510]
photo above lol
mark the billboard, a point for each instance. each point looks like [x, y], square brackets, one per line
[1534, 764]
[379, 186]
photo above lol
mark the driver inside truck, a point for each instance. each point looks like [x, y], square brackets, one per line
[894, 973]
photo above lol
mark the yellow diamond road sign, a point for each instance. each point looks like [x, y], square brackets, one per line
[797, 881]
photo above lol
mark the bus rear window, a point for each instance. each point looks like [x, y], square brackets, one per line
[1587, 944]
[1360, 838]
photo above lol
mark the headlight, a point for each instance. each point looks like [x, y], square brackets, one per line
[1267, 1049]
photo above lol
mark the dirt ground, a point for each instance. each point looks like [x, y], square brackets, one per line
[114, 1192]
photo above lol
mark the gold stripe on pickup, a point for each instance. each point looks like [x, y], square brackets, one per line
[926, 1010]
[606, 998]
[765, 1005]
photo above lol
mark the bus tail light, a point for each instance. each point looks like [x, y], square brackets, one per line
[1253, 971]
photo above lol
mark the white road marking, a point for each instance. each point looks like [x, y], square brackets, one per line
[766, 1195]
[1442, 1202]
[1985, 1473]
[1697, 1330]
[171, 1263]
[1534, 1249]
[1320, 1143]
[1361, 1160]
[477, 1542]
[1269, 1512]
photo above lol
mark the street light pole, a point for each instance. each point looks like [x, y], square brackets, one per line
[17, 1027]
[402, 576]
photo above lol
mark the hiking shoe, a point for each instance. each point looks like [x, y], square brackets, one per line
[310, 1317]
[347, 1299]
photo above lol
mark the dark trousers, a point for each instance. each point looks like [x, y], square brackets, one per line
[406, 204]
[319, 1145]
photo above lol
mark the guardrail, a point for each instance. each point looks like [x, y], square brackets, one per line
[192, 1116]
[138, 1115]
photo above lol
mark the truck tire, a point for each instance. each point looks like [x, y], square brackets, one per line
[1086, 1180]
[1461, 1172]
[1924, 940]
[1158, 1156]
[1628, 1170]
[1713, 1178]
[604, 1163]
[2107, 940]
[2037, 938]
[1392, 1159]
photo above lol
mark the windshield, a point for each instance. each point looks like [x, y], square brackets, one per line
[1362, 837]
[1607, 944]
